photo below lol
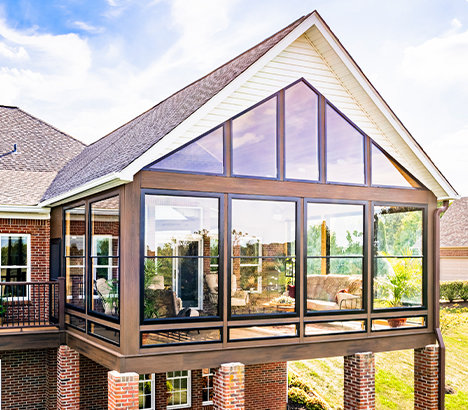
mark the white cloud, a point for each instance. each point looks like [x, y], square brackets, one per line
[87, 27]
[441, 61]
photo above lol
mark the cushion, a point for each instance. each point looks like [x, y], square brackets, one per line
[212, 282]
[315, 304]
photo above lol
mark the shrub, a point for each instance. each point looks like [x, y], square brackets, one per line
[451, 290]
[452, 317]
[464, 291]
[296, 381]
[299, 396]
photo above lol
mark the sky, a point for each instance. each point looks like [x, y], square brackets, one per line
[89, 66]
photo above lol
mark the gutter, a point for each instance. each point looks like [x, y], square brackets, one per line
[437, 331]
[24, 212]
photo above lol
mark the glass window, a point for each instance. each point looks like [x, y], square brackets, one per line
[179, 389]
[104, 332]
[345, 150]
[207, 386]
[146, 397]
[335, 327]
[254, 141]
[104, 258]
[182, 336]
[386, 172]
[75, 236]
[335, 256]
[15, 265]
[301, 129]
[398, 256]
[203, 155]
[262, 332]
[181, 256]
[263, 256]
[398, 323]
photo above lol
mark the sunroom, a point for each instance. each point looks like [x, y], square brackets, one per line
[283, 233]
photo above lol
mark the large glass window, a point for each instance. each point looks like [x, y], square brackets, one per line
[398, 256]
[104, 258]
[15, 265]
[75, 234]
[263, 257]
[345, 149]
[254, 141]
[203, 155]
[335, 256]
[385, 171]
[301, 129]
[181, 273]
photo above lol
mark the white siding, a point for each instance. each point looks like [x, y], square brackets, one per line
[452, 268]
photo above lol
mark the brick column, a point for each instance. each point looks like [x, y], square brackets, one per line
[229, 387]
[359, 381]
[426, 378]
[122, 390]
[68, 379]
[266, 386]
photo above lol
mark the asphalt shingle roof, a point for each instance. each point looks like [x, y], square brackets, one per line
[454, 224]
[118, 149]
[42, 151]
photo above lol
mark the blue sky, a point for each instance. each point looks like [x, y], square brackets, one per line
[89, 66]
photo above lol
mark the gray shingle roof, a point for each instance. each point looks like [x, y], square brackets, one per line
[118, 149]
[42, 151]
[454, 224]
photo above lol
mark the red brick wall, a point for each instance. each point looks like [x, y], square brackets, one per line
[426, 382]
[123, 390]
[68, 378]
[266, 386]
[359, 381]
[229, 387]
[28, 377]
[93, 385]
[40, 240]
[462, 251]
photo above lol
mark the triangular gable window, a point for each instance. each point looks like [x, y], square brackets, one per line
[345, 149]
[385, 172]
[204, 155]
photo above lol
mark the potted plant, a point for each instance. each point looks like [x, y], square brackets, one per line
[401, 283]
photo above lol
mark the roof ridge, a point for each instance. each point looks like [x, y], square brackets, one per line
[51, 126]
[8, 106]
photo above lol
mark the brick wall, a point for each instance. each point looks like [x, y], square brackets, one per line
[266, 386]
[123, 390]
[28, 379]
[93, 385]
[359, 381]
[426, 378]
[68, 378]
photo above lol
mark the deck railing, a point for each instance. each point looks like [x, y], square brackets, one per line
[31, 304]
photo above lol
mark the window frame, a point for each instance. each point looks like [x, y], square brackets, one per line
[189, 390]
[365, 257]
[221, 267]
[27, 266]
[424, 257]
[296, 313]
[210, 376]
[153, 391]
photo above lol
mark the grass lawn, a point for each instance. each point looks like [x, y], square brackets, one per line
[394, 373]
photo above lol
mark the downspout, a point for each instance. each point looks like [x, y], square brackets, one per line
[437, 331]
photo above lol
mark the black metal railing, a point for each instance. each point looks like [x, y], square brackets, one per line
[31, 304]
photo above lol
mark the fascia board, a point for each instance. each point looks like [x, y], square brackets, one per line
[24, 212]
[385, 109]
[152, 154]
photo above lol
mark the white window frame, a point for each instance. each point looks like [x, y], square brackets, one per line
[209, 387]
[153, 400]
[27, 266]
[259, 265]
[189, 390]
[96, 239]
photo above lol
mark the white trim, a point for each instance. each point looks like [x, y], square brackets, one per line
[189, 390]
[153, 390]
[24, 212]
[94, 255]
[209, 387]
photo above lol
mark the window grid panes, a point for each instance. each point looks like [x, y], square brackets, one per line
[75, 237]
[263, 248]
[398, 257]
[146, 393]
[207, 386]
[179, 389]
[181, 256]
[104, 257]
[335, 256]
[15, 265]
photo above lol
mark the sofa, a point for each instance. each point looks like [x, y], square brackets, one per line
[334, 292]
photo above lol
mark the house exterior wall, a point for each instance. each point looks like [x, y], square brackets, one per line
[454, 263]
[93, 385]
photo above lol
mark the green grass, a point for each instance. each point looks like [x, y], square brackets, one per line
[394, 379]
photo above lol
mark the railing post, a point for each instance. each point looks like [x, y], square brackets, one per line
[61, 303]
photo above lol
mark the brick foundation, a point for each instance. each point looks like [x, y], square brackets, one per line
[426, 378]
[93, 385]
[68, 379]
[266, 386]
[122, 390]
[359, 381]
[229, 386]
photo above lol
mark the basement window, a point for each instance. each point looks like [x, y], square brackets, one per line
[179, 389]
